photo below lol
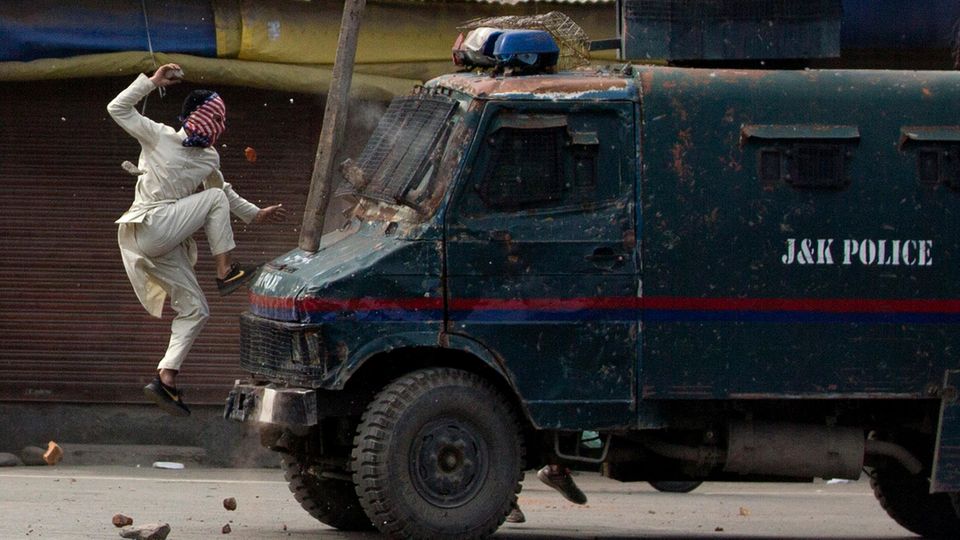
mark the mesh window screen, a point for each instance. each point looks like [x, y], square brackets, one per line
[770, 166]
[805, 166]
[939, 165]
[818, 166]
[525, 169]
[928, 166]
[399, 149]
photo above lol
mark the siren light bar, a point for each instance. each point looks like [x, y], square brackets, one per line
[525, 50]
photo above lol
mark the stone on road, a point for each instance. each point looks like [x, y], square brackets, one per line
[77, 502]
[120, 520]
[153, 531]
[32, 455]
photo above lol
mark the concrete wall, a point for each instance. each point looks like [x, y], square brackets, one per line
[132, 435]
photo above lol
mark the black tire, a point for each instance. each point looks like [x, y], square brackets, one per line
[955, 497]
[675, 486]
[438, 454]
[907, 499]
[332, 501]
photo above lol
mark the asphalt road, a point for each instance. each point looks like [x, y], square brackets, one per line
[71, 502]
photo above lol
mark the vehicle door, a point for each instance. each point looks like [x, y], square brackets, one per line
[541, 261]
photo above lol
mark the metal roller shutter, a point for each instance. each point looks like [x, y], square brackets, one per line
[71, 329]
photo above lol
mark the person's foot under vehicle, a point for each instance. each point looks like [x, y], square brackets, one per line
[516, 515]
[560, 480]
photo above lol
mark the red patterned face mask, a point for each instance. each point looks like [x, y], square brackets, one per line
[206, 123]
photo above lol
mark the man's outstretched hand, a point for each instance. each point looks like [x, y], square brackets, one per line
[274, 214]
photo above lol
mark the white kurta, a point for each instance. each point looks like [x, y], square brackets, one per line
[166, 197]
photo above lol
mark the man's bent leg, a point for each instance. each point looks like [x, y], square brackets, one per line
[167, 227]
[217, 226]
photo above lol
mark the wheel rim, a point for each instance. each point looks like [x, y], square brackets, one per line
[449, 463]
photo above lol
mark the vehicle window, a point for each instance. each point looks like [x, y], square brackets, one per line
[937, 152]
[939, 164]
[814, 166]
[399, 157]
[804, 156]
[525, 169]
[549, 164]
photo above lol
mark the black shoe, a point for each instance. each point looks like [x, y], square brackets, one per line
[237, 276]
[168, 398]
[560, 480]
[516, 514]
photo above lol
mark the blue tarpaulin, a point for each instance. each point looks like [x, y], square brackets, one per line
[55, 29]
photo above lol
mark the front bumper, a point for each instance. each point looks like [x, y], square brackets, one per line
[268, 404]
[292, 407]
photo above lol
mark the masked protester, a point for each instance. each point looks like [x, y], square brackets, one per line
[155, 234]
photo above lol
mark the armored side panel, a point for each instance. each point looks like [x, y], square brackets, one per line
[895, 24]
[798, 233]
[729, 29]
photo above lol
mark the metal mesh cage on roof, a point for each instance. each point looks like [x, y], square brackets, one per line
[572, 40]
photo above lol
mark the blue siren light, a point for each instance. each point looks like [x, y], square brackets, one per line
[489, 40]
[526, 49]
[476, 48]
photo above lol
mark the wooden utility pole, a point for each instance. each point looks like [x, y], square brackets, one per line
[334, 120]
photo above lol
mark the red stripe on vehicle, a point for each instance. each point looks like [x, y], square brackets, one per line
[826, 305]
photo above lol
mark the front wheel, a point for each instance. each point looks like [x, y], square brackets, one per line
[327, 496]
[438, 454]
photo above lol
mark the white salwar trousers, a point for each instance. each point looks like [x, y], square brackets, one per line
[164, 236]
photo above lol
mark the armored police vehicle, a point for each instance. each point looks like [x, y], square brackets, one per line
[729, 275]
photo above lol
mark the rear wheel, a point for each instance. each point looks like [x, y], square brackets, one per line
[675, 486]
[438, 454]
[326, 495]
[907, 499]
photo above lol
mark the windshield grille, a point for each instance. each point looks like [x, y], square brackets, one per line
[398, 152]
